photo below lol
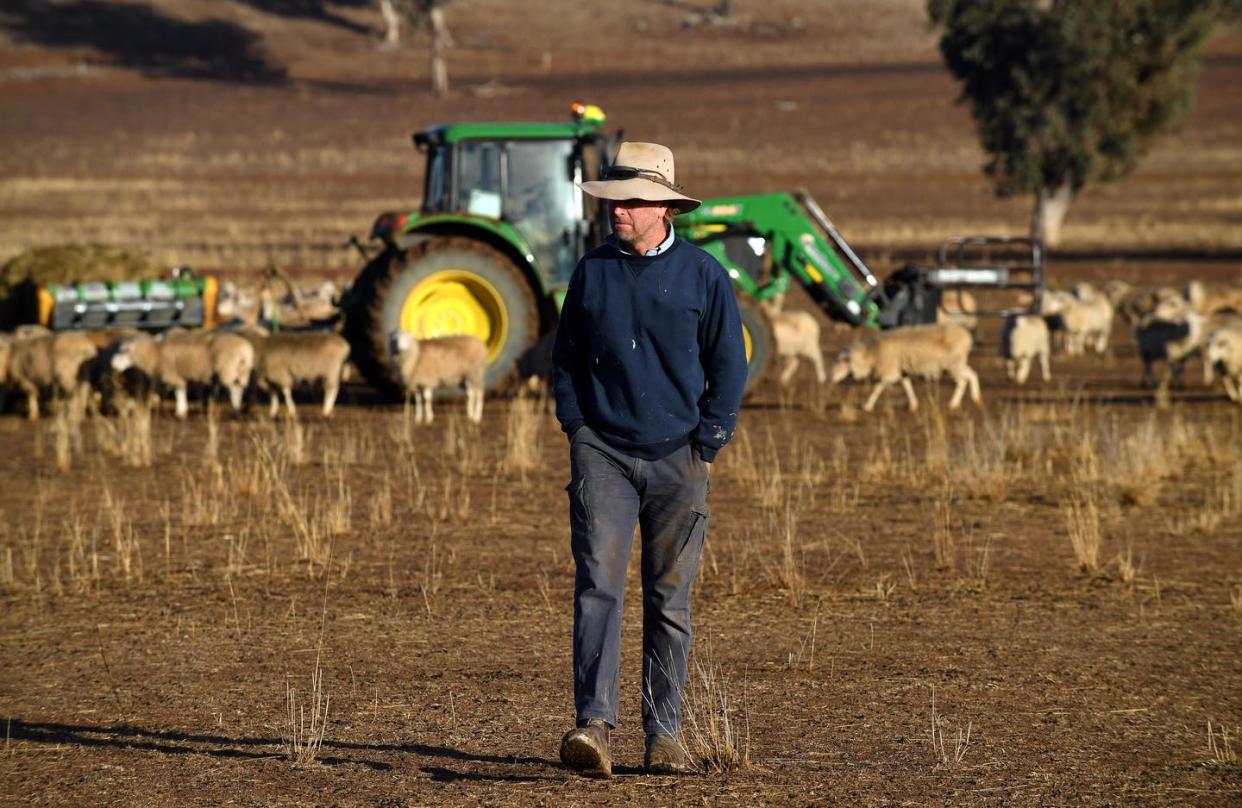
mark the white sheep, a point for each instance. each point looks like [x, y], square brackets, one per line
[180, 358]
[297, 307]
[427, 364]
[236, 304]
[922, 350]
[1087, 318]
[958, 306]
[796, 334]
[289, 358]
[1224, 352]
[1136, 303]
[1212, 300]
[51, 362]
[1023, 338]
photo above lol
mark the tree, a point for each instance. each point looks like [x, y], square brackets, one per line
[419, 13]
[1070, 92]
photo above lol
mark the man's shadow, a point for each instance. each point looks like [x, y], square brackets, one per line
[173, 742]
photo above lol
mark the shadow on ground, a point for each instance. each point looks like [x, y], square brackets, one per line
[172, 742]
[141, 38]
[317, 10]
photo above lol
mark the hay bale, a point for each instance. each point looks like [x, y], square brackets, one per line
[72, 263]
[66, 263]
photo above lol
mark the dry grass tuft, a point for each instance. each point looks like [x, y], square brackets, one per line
[127, 552]
[135, 430]
[715, 732]
[944, 543]
[381, 506]
[804, 657]
[211, 452]
[64, 427]
[944, 756]
[522, 423]
[1082, 520]
[788, 574]
[463, 446]
[293, 446]
[1127, 572]
[306, 723]
[1220, 745]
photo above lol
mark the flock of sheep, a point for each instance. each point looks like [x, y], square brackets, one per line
[109, 371]
[1170, 325]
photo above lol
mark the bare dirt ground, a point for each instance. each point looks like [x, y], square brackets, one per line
[893, 603]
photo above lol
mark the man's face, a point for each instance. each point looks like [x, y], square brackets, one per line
[637, 221]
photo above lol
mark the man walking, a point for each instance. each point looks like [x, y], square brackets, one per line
[648, 371]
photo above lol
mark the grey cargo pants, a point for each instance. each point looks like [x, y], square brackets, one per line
[610, 492]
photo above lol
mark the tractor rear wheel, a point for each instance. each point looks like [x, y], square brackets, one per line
[440, 287]
[760, 341]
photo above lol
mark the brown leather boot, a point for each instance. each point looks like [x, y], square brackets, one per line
[664, 755]
[585, 749]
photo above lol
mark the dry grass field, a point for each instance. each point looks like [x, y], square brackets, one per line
[1036, 604]
[1039, 603]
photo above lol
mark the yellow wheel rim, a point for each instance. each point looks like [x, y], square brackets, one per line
[747, 342]
[456, 301]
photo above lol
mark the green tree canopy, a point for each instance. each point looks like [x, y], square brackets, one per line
[1070, 92]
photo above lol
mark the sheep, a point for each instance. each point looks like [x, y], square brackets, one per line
[1224, 352]
[52, 362]
[178, 358]
[1136, 303]
[1213, 324]
[107, 385]
[1087, 320]
[297, 308]
[925, 350]
[236, 304]
[796, 334]
[288, 358]
[427, 364]
[1210, 301]
[1166, 338]
[1024, 337]
[958, 306]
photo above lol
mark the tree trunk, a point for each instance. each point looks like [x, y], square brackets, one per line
[392, 23]
[441, 41]
[1050, 209]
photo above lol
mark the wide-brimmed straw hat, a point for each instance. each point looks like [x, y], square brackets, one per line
[642, 171]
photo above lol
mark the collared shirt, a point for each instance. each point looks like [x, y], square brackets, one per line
[662, 247]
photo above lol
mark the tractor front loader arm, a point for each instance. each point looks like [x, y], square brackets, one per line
[766, 240]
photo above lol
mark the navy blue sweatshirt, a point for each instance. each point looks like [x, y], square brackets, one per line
[649, 351]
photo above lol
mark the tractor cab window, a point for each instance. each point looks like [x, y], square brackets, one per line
[435, 194]
[544, 204]
[479, 178]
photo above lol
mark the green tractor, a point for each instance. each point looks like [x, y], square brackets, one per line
[503, 223]
[490, 253]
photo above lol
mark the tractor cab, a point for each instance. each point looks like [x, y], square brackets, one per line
[525, 178]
